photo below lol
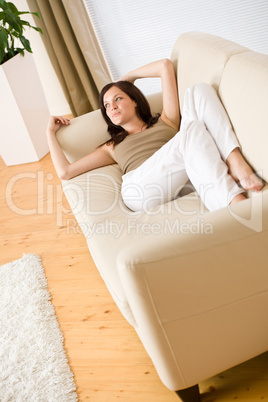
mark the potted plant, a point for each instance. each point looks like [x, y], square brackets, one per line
[23, 108]
[11, 31]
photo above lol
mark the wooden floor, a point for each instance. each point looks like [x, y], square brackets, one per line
[108, 360]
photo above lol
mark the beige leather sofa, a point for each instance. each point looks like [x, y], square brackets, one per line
[193, 283]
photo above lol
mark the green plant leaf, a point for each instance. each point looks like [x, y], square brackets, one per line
[36, 14]
[3, 39]
[38, 29]
[25, 23]
[12, 8]
[28, 12]
[15, 34]
[20, 50]
[11, 53]
[24, 12]
[14, 22]
[30, 26]
[3, 4]
[2, 55]
[25, 43]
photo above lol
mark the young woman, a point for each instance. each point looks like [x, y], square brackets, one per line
[157, 160]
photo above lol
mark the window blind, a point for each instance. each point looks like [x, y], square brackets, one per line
[133, 33]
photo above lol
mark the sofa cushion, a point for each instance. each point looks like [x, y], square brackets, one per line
[83, 135]
[244, 93]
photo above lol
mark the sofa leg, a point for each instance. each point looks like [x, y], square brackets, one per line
[189, 394]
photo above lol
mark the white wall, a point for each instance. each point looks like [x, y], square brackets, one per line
[55, 97]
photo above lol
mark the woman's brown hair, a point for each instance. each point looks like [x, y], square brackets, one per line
[117, 133]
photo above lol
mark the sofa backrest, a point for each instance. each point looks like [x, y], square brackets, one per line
[244, 93]
[200, 57]
[240, 77]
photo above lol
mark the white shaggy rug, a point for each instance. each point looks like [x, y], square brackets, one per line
[33, 363]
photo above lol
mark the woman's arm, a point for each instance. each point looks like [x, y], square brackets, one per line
[66, 170]
[165, 70]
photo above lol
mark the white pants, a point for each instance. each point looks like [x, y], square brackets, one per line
[197, 152]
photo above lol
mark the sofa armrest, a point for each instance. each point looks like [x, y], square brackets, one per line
[83, 135]
[191, 293]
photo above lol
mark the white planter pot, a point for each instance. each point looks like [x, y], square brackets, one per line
[23, 112]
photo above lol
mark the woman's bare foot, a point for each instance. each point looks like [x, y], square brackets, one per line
[242, 173]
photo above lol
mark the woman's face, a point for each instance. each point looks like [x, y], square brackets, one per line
[120, 108]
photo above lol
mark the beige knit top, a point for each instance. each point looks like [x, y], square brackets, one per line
[137, 148]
